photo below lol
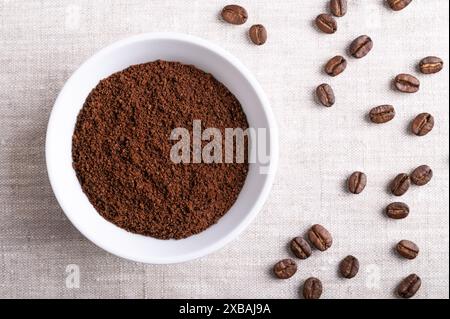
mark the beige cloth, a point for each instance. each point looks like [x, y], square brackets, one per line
[43, 42]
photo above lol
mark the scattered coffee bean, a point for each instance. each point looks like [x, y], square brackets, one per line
[422, 124]
[325, 95]
[397, 210]
[285, 268]
[234, 14]
[400, 184]
[397, 5]
[407, 249]
[338, 7]
[258, 34]
[320, 237]
[349, 267]
[312, 288]
[357, 182]
[361, 46]
[326, 23]
[407, 83]
[409, 286]
[336, 65]
[382, 114]
[421, 175]
[430, 65]
[300, 248]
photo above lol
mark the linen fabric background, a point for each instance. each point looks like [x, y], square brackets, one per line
[43, 42]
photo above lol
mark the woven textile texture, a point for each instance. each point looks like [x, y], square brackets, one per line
[42, 42]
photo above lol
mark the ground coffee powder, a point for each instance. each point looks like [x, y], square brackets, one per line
[121, 150]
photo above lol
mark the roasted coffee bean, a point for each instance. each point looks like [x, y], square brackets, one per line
[300, 248]
[336, 65]
[422, 124]
[397, 5]
[431, 64]
[361, 46]
[407, 83]
[349, 267]
[407, 249]
[285, 268]
[421, 175]
[397, 210]
[357, 182]
[400, 184]
[338, 7]
[312, 288]
[409, 286]
[234, 14]
[326, 23]
[382, 114]
[320, 237]
[258, 34]
[325, 95]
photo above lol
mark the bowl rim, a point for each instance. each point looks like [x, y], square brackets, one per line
[271, 170]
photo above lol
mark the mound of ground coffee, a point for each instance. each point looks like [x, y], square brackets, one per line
[121, 150]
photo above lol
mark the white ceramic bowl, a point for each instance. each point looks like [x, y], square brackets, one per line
[118, 56]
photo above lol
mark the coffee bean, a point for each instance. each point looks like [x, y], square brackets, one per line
[326, 23]
[338, 7]
[361, 46]
[258, 34]
[397, 5]
[422, 124]
[312, 288]
[320, 237]
[421, 175]
[325, 95]
[409, 286]
[430, 65]
[336, 65]
[407, 83]
[397, 210]
[234, 14]
[300, 248]
[400, 184]
[349, 267]
[357, 182]
[407, 249]
[285, 268]
[382, 114]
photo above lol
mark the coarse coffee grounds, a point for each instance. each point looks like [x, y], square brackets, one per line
[121, 150]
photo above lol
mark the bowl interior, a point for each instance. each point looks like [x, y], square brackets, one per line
[117, 57]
